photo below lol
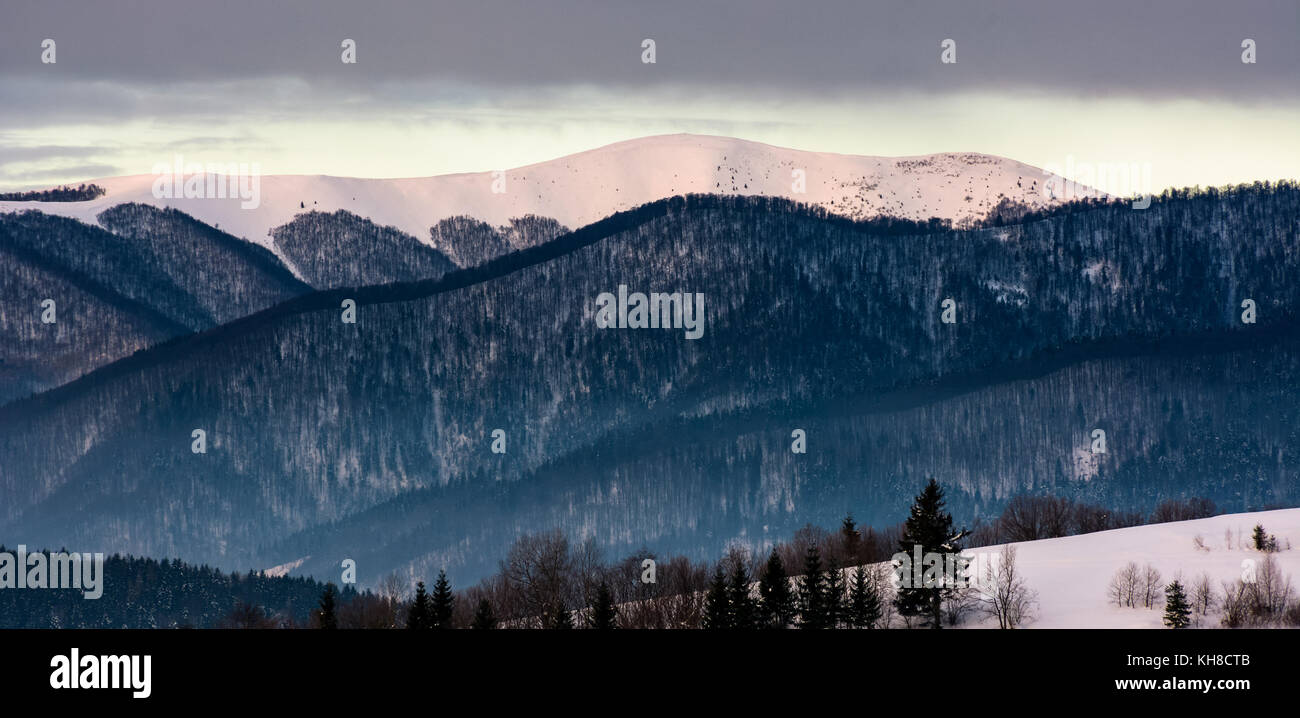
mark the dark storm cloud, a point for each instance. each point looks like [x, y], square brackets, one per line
[1181, 48]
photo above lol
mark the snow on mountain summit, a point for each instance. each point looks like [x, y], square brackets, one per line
[581, 188]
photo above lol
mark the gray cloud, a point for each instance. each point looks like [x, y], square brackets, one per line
[11, 153]
[14, 180]
[1188, 48]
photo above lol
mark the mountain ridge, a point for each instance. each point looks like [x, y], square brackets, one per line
[578, 189]
[311, 420]
[405, 290]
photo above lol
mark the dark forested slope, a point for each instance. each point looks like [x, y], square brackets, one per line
[340, 249]
[155, 274]
[311, 420]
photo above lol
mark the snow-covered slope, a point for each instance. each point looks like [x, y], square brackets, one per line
[579, 189]
[1071, 574]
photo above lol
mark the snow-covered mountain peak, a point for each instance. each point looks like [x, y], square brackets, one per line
[581, 188]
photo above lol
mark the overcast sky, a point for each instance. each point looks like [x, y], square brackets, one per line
[446, 87]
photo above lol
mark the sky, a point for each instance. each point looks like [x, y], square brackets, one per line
[440, 87]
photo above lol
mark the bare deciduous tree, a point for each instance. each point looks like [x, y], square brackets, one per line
[1203, 595]
[1270, 592]
[538, 573]
[1028, 518]
[1123, 589]
[1152, 587]
[1182, 510]
[1005, 596]
[1235, 604]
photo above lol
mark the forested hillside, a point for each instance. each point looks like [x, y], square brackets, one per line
[229, 277]
[340, 249]
[154, 275]
[470, 242]
[1126, 321]
[150, 593]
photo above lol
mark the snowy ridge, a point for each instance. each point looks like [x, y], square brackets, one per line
[579, 189]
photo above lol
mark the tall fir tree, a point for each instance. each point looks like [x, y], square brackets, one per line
[834, 596]
[603, 614]
[928, 528]
[776, 602]
[326, 613]
[812, 591]
[484, 618]
[744, 610]
[863, 609]
[419, 616]
[443, 602]
[717, 603]
[1177, 610]
[851, 539]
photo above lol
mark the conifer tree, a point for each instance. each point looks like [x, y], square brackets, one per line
[929, 530]
[744, 612]
[851, 538]
[864, 601]
[776, 604]
[603, 614]
[442, 604]
[559, 618]
[1177, 611]
[717, 603]
[812, 591]
[834, 595]
[326, 613]
[419, 616]
[1264, 541]
[484, 618]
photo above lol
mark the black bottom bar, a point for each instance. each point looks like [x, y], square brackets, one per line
[970, 667]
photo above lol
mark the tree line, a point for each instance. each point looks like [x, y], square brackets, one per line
[817, 580]
[65, 193]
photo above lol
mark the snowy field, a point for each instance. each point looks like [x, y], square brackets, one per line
[1071, 574]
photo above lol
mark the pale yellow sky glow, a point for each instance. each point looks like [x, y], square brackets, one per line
[1178, 142]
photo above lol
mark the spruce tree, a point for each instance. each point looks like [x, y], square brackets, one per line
[875, 609]
[1261, 538]
[1177, 611]
[603, 614]
[327, 619]
[442, 603]
[744, 612]
[812, 591]
[834, 595]
[484, 618]
[776, 604]
[717, 603]
[929, 529]
[864, 602]
[419, 617]
[851, 538]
